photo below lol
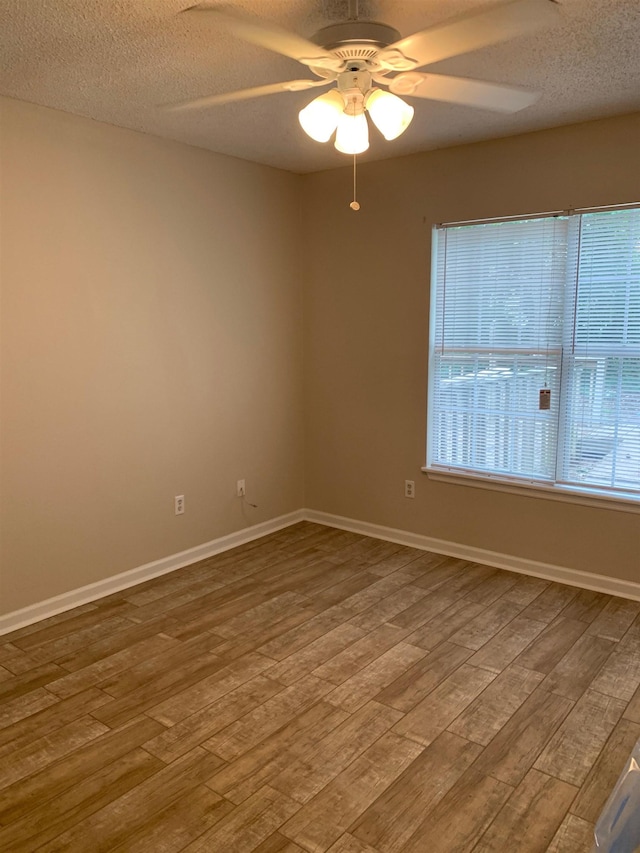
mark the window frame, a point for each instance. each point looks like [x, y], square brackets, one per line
[587, 495]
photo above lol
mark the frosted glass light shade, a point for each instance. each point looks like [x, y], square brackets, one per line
[320, 118]
[352, 136]
[390, 114]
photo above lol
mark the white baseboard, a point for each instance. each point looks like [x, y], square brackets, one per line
[560, 574]
[99, 589]
[92, 592]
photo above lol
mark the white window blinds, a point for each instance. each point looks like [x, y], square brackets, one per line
[521, 306]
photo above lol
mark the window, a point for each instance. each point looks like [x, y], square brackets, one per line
[547, 304]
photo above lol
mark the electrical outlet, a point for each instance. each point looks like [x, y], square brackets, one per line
[241, 489]
[409, 488]
[178, 503]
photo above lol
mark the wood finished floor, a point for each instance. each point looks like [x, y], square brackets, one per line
[316, 690]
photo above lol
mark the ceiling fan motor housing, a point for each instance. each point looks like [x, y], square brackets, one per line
[354, 41]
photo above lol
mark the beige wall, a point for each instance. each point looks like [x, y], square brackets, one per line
[151, 346]
[152, 337]
[366, 336]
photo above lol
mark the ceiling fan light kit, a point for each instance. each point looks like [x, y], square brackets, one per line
[390, 114]
[319, 119]
[343, 109]
[352, 135]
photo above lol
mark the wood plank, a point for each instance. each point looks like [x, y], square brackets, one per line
[43, 822]
[308, 774]
[365, 684]
[136, 809]
[14, 710]
[604, 773]
[183, 703]
[358, 578]
[60, 647]
[450, 573]
[551, 645]
[486, 625]
[324, 574]
[493, 587]
[525, 590]
[391, 606]
[155, 690]
[260, 615]
[15, 660]
[455, 575]
[248, 825]
[615, 619]
[369, 550]
[394, 816]
[445, 624]
[111, 665]
[181, 822]
[348, 844]
[277, 843]
[423, 565]
[117, 642]
[574, 748]
[419, 680]
[630, 641]
[376, 592]
[249, 730]
[359, 654]
[461, 817]
[64, 624]
[257, 767]
[316, 653]
[632, 711]
[300, 636]
[39, 676]
[487, 714]
[530, 818]
[45, 750]
[150, 669]
[574, 673]
[507, 644]
[550, 603]
[252, 638]
[573, 836]
[319, 823]
[620, 675]
[203, 724]
[50, 783]
[425, 609]
[513, 751]
[440, 707]
[401, 558]
[586, 606]
[49, 719]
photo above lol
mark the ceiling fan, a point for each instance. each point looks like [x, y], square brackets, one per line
[360, 56]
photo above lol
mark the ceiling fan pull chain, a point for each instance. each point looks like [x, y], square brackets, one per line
[354, 204]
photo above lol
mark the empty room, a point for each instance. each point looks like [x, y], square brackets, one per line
[320, 426]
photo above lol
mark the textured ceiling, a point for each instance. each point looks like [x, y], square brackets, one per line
[117, 60]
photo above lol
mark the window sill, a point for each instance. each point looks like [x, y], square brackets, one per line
[566, 494]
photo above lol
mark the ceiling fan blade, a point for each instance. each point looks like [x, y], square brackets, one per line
[245, 94]
[461, 90]
[266, 34]
[463, 35]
